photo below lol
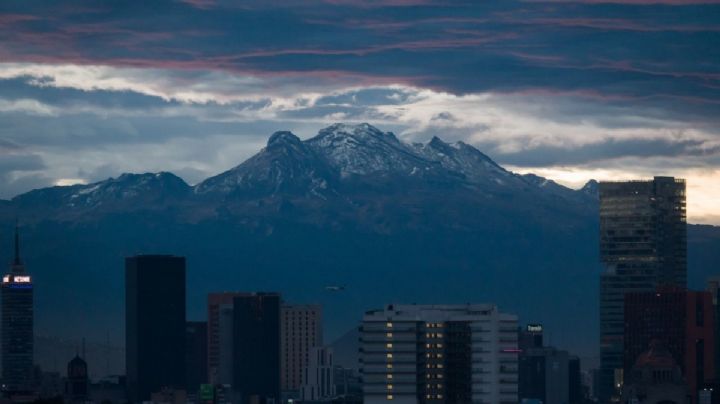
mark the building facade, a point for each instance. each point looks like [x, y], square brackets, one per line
[154, 324]
[195, 355]
[643, 244]
[256, 348]
[220, 336]
[319, 376]
[77, 383]
[655, 378]
[300, 331]
[683, 321]
[17, 326]
[439, 354]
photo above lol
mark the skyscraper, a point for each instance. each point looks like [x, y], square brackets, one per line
[195, 355]
[220, 336]
[256, 351]
[17, 325]
[301, 331]
[439, 354]
[154, 324]
[642, 245]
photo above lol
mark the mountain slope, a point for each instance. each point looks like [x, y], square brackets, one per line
[394, 222]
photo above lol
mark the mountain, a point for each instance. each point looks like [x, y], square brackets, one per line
[355, 206]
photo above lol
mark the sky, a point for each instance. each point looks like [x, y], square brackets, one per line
[568, 89]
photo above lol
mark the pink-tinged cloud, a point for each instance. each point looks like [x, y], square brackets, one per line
[8, 19]
[634, 2]
[201, 4]
[382, 3]
[616, 24]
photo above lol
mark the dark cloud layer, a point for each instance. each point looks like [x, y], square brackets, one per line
[622, 50]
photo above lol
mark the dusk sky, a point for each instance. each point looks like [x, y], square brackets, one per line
[570, 90]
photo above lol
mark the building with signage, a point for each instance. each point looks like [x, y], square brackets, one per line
[643, 244]
[154, 325]
[17, 326]
[439, 354]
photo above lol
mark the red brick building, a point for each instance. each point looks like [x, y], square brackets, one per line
[683, 320]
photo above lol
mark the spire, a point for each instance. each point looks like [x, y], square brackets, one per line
[17, 260]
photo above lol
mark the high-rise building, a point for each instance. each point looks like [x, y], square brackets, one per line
[642, 245]
[220, 336]
[683, 321]
[17, 326]
[300, 331]
[714, 289]
[256, 348]
[319, 376]
[195, 355]
[154, 324]
[439, 354]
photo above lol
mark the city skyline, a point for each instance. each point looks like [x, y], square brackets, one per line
[571, 90]
[360, 201]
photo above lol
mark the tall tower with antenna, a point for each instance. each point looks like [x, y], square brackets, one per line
[16, 293]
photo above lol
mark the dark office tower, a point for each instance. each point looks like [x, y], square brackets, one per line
[154, 324]
[17, 326]
[714, 289]
[682, 321]
[575, 382]
[195, 355]
[642, 245]
[256, 351]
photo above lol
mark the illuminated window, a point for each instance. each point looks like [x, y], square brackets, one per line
[439, 345]
[389, 356]
[389, 376]
[389, 397]
[389, 366]
[389, 386]
[389, 325]
[389, 345]
[389, 335]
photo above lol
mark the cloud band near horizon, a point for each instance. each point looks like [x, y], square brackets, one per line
[570, 89]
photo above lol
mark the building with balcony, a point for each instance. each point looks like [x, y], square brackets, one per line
[439, 354]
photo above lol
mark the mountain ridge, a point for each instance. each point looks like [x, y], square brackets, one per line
[398, 222]
[313, 167]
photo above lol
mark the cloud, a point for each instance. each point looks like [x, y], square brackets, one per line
[91, 89]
